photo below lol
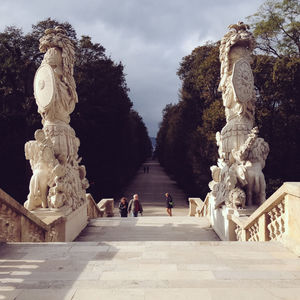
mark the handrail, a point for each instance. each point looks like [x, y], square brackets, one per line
[97, 210]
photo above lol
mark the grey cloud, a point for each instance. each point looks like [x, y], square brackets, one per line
[150, 37]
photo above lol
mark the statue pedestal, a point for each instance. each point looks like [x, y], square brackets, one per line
[75, 223]
[221, 219]
[71, 223]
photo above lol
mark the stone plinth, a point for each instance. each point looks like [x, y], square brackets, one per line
[221, 219]
[73, 222]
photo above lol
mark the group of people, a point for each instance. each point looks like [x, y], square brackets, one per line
[135, 206]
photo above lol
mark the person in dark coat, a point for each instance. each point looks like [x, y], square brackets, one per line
[123, 207]
[135, 206]
[169, 204]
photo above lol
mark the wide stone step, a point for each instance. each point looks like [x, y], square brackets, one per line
[148, 270]
[149, 229]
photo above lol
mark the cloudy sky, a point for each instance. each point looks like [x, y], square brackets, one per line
[150, 37]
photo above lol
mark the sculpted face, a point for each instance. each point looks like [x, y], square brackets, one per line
[39, 135]
[53, 57]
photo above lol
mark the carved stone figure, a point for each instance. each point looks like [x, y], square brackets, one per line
[242, 154]
[251, 159]
[58, 178]
[236, 198]
[42, 160]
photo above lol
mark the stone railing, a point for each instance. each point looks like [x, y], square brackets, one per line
[17, 224]
[199, 208]
[276, 219]
[195, 204]
[104, 207]
[204, 211]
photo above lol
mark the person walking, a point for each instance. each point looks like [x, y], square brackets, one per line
[123, 207]
[169, 204]
[135, 206]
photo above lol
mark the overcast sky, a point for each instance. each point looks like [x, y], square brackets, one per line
[150, 37]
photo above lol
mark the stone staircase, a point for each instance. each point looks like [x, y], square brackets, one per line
[148, 228]
[148, 258]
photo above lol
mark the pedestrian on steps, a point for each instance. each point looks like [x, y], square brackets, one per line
[135, 206]
[169, 204]
[123, 207]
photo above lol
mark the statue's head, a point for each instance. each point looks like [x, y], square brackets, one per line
[259, 150]
[39, 135]
[238, 39]
[60, 51]
[237, 197]
[237, 43]
[53, 57]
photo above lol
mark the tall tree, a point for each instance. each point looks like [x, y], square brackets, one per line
[277, 27]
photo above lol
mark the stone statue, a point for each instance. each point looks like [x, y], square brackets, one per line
[238, 176]
[58, 178]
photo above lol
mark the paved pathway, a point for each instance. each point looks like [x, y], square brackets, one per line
[152, 187]
[149, 270]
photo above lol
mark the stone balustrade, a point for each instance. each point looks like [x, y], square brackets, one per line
[107, 205]
[195, 205]
[17, 224]
[204, 211]
[199, 208]
[276, 219]
[104, 208]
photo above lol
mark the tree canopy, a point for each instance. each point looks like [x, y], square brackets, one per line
[186, 144]
[114, 139]
[276, 27]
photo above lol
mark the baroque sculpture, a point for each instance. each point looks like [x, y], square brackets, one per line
[58, 179]
[238, 179]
